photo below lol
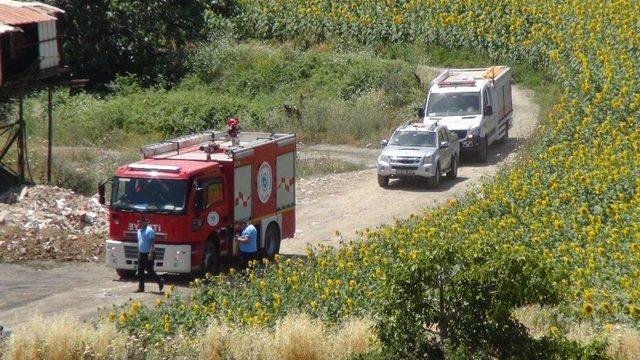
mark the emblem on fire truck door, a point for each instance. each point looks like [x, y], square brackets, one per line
[213, 218]
[264, 182]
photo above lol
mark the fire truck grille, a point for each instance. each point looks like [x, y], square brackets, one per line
[131, 252]
[159, 254]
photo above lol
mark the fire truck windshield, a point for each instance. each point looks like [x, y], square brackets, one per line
[149, 195]
[454, 104]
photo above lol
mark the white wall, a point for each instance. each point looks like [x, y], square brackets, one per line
[48, 44]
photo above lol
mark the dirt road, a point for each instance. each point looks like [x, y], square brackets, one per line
[345, 202]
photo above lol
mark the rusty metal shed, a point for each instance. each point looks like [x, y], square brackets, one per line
[29, 60]
[28, 39]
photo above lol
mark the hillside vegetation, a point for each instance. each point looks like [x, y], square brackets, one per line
[560, 229]
[322, 94]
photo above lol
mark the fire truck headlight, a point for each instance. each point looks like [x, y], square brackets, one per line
[196, 224]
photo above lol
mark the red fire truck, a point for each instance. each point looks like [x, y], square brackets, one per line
[196, 190]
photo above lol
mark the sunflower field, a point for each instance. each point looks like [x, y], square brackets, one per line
[562, 227]
[575, 198]
[574, 201]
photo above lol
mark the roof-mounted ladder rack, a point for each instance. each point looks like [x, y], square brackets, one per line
[175, 144]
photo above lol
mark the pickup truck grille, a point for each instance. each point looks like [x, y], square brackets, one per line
[461, 133]
[394, 167]
[131, 252]
[405, 160]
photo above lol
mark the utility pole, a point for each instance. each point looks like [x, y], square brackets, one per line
[50, 137]
[21, 140]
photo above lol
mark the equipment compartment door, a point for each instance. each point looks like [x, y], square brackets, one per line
[286, 181]
[242, 198]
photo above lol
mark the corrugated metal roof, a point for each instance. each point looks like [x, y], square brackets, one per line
[42, 7]
[16, 13]
[7, 28]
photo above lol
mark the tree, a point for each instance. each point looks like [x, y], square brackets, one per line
[148, 38]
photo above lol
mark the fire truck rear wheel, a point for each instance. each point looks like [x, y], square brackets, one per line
[126, 274]
[211, 262]
[272, 241]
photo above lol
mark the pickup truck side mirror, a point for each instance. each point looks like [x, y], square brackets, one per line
[488, 110]
[420, 112]
[383, 143]
[444, 144]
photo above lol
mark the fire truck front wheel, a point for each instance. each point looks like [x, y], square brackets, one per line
[211, 261]
[126, 274]
[272, 241]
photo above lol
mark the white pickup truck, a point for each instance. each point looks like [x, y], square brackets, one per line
[418, 150]
[473, 103]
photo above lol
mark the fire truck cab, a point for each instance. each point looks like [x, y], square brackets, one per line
[195, 191]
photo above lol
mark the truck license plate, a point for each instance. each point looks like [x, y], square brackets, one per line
[404, 172]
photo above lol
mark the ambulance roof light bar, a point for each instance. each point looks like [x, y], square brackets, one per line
[444, 83]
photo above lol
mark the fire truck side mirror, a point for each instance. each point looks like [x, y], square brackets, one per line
[101, 190]
[199, 201]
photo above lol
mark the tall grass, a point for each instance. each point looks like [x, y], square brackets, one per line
[295, 337]
[623, 341]
[64, 337]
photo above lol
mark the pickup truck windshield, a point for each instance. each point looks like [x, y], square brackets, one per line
[414, 138]
[149, 195]
[454, 104]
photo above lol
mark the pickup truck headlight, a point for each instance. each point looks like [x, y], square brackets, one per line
[383, 158]
[427, 160]
[473, 133]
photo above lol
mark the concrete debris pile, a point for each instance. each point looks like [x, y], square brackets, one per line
[41, 207]
[45, 222]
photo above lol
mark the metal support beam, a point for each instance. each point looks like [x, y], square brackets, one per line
[50, 137]
[21, 140]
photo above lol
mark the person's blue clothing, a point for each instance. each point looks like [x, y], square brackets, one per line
[250, 246]
[145, 239]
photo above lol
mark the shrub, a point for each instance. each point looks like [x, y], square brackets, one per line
[460, 295]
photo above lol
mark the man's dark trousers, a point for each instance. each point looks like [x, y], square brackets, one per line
[145, 264]
[245, 257]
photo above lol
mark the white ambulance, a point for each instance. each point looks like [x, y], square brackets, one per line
[474, 103]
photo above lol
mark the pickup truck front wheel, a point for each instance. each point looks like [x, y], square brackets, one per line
[383, 181]
[434, 181]
[453, 171]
